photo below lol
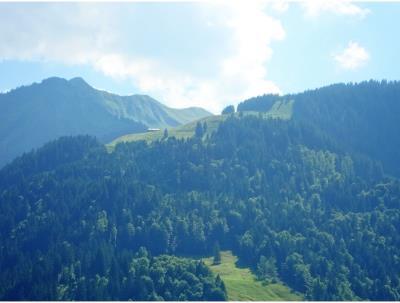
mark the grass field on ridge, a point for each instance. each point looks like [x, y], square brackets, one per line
[280, 110]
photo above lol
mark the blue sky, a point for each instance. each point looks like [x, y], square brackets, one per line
[207, 54]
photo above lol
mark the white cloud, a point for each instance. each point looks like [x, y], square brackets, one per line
[253, 31]
[241, 74]
[352, 57]
[69, 33]
[314, 8]
[94, 35]
[280, 6]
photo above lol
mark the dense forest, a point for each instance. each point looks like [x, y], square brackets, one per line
[287, 196]
[362, 118]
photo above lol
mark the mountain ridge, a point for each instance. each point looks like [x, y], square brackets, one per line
[37, 113]
[359, 117]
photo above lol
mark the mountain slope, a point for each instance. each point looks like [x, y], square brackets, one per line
[359, 118]
[242, 285]
[281, 109]
[277, 193]
[33, 115]
[362, 118]
[148, 110]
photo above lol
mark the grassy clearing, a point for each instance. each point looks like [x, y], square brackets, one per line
[280, 110]
[180, 132]
[241, 284]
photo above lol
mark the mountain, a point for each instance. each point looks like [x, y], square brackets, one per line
[280, 185]
[35, 114]
[361, 118]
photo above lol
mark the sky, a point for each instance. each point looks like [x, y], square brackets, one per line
[208, 54]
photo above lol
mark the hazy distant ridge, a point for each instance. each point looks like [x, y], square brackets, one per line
[32, 115]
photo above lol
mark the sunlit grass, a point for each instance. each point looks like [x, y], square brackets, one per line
[280, 110]
[242, 285]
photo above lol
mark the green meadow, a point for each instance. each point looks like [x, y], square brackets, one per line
[280, 110]
[242, 285]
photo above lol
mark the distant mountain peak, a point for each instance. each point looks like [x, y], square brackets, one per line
[53, 80]
[54, 107]
[76, 82]
[79, 81]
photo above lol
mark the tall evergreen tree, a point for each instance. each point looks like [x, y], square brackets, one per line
[199, 131]
[216, 254]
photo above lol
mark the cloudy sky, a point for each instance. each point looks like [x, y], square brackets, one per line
[200, 53]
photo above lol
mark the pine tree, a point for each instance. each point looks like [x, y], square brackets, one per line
[204, 127]
[230, 109]
[199, 132]
[217, 254]
[165, 136]
[219, 283]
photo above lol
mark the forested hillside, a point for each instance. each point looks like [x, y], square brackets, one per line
[33, 115]
[287, 197]
[361, 118]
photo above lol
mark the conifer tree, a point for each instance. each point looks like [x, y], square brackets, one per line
[217, 254]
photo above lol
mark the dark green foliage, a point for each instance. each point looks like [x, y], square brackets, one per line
[199, 131]
[165, 135]
[258, 104]
[266, 269]
[230, 109]
[169, 278]
[205, 127]
[362, 118]
[73, 228]
[216, 254]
